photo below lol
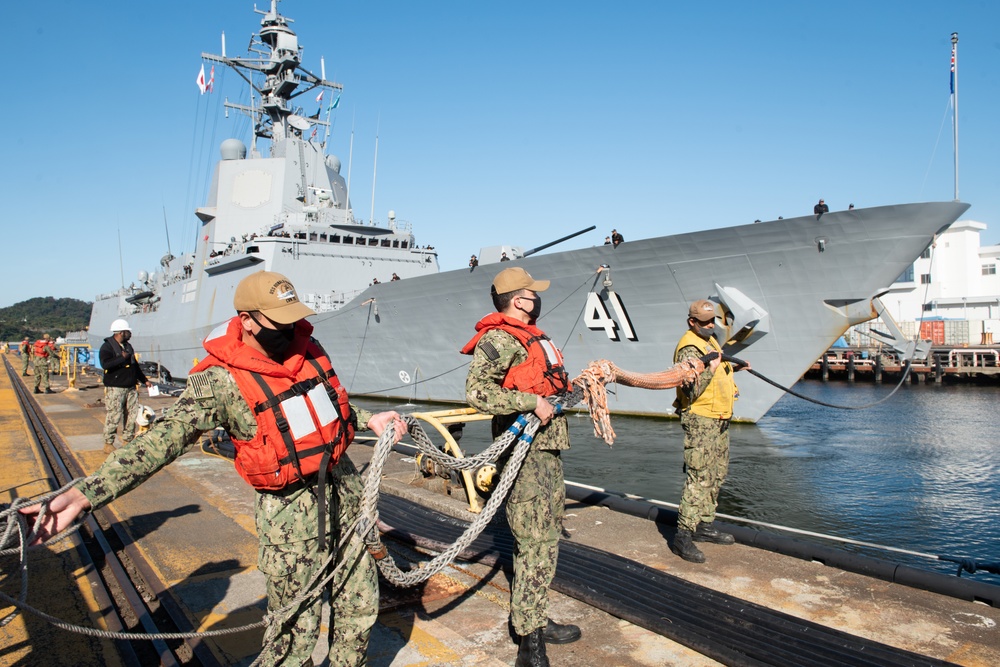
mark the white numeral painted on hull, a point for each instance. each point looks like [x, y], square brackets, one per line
[596, 316]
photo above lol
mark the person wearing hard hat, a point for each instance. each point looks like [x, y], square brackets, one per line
[272, 387]
[122, 374]
[705, 407]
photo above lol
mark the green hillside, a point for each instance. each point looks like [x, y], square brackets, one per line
[43, 314]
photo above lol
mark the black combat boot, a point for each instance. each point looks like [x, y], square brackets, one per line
[557, 633]
[531, 652]
[706, 532]
[684, 547]
[37, 390]
[49, 391]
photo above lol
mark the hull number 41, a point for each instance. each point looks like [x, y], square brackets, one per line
[596, 316]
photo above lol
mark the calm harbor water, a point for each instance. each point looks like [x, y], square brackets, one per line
[919, 472]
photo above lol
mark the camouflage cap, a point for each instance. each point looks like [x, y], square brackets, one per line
[515, 279]
[702, 310]
[271, 294]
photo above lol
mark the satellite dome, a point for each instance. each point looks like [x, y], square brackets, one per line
[143, 276]
[233, 149]
[333, 162]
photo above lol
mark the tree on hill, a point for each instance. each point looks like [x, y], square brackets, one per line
[41, 315]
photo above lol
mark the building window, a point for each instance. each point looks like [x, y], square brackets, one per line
[906, 276]
[926, 254]
[989, 269]
[925, 279]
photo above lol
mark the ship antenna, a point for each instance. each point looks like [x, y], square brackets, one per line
[166, 230]
[375, 169]
[954, 99]
[121, 266]
[350, 162]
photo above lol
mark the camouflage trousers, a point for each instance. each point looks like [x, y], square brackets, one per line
[289, 557]
[535, 513]
[25, 362]
[123, 408]
[41, 372]
[706, 463]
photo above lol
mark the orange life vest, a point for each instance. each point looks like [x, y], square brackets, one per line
[542, 373]
[303, 415]
[44, 348]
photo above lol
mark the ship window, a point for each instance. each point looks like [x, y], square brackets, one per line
[926, 254]
[372, 241]
[405, 244]
[300, 235]
[925, 279]
[928, 307]
[312, 236]
[906, 276]
[385, 243]
[348, 240]
[395, 243]
[989, 269]
[322, 237]
[252, 249]
[335, 238]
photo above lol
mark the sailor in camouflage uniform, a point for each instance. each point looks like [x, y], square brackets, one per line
[25, 349]
[287, 519]
[43, 349]
[514, 365]
[705, 407]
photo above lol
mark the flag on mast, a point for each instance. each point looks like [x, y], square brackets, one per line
[211, 81]
[336, 102]
[201, 79]
[952, 69]
[319, 98]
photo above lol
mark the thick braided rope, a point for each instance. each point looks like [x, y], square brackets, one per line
[593, 378]
[523, 430]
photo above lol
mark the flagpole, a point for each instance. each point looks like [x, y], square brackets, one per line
[954, 93]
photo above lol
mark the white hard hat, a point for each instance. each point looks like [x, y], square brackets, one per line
[120, 325]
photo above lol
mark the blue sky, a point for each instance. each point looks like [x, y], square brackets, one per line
[515, 122]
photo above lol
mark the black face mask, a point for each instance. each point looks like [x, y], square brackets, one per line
[536, 307]
[274, 341]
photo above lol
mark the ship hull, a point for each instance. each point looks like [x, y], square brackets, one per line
[402, 339]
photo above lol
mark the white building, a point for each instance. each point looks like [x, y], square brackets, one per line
[953, 280]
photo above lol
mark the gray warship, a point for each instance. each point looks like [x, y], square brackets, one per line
[786, 289]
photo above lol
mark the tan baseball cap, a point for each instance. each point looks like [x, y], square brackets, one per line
[273, 295]
[702, 310]
[516, 278]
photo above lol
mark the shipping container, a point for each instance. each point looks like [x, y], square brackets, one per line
[956, 332]
[932, 331]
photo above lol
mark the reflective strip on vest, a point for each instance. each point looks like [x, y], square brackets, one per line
[551, 352]
[300, 419]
